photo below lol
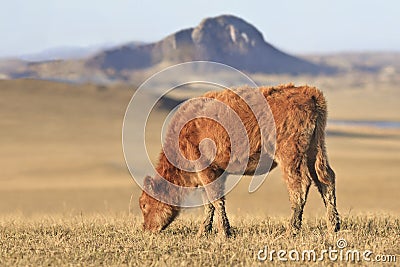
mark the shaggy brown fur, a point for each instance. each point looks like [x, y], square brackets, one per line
[300, 115]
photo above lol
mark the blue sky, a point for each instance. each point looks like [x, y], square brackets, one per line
[295, 26]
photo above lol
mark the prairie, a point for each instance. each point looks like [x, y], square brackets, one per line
[65, 191]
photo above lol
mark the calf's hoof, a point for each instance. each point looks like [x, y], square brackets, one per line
[292, 231]
[333, 222]
[204, 230]
[335, 227]
[225, 234]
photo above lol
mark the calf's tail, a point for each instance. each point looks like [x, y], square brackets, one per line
[324, 172]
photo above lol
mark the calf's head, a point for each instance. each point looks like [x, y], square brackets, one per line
[156, 214]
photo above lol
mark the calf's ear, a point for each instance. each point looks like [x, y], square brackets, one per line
[153, 185]
[148, 184]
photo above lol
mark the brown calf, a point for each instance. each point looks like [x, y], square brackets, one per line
[300, 117]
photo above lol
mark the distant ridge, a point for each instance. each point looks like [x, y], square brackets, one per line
[226, 39]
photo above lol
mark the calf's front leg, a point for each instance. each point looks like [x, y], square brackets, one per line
[224, 228]
[214, 182]
[206, 225]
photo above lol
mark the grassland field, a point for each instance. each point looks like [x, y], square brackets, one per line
[65, 191]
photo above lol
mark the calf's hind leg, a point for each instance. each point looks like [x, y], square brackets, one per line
[328, 195]
[298, 184]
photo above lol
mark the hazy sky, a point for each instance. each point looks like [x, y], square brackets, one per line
[294, 26]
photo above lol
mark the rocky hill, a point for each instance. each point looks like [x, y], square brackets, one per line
[226, 39]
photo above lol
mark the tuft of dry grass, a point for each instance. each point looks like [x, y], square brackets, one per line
[118, 240]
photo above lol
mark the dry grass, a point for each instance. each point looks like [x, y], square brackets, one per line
[118, 240]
